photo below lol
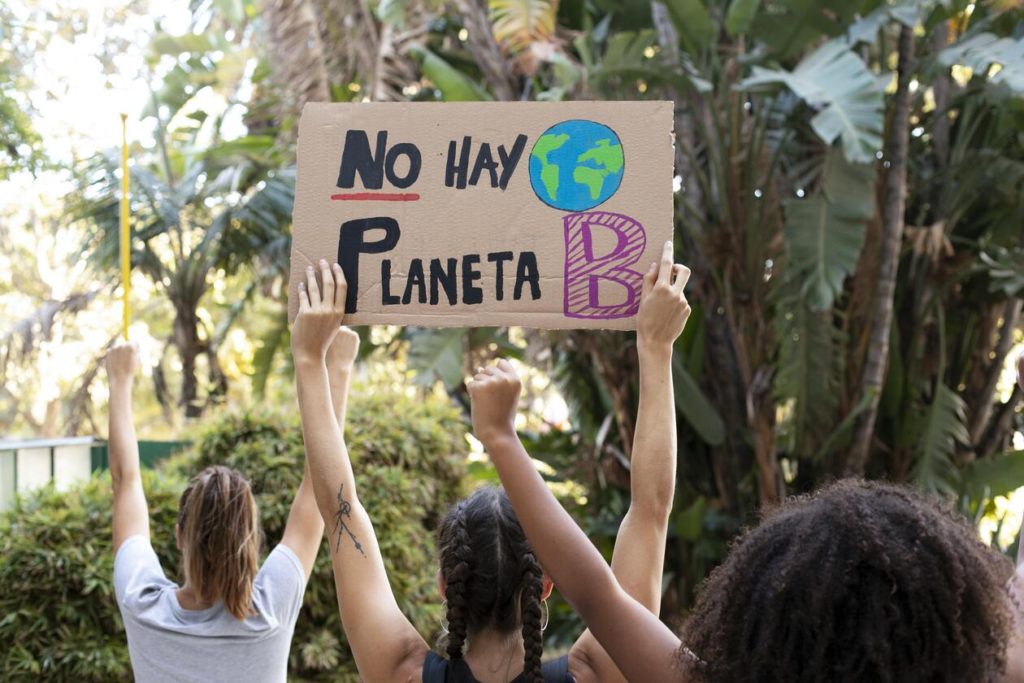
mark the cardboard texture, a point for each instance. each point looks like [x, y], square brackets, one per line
[539, 214]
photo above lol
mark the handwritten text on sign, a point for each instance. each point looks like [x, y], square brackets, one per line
[534, 214]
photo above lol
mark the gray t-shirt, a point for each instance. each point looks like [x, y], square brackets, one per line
[168, 643]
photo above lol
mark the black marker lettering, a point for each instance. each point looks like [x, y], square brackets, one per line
[484, 162]
[471, 294]
[356, 157]
[455, 174]
[415, 279]
[526, 271]
[447, 280]
[352, 242]
[498, 259]
[386, 297]
[510, 160]
[409, 150]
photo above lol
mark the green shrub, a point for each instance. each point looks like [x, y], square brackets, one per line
[58, 617]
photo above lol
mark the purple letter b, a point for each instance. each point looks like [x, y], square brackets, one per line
[584, 270]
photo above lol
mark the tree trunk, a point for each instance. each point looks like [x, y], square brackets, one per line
[186, 338]
[983, 405]
[299, 64]
[892, 240]
[485, 50]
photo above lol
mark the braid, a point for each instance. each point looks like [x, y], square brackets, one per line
[457, 575]
[532, 586]
[493, 580]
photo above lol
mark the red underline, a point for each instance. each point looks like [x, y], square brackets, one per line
[377, 196]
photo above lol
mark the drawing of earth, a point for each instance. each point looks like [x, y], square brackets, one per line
[576, 165]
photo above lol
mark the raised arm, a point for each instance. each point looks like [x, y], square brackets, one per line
[305, 527]
[641, 646]
[384, 644]
[638, 559]
[131, 516]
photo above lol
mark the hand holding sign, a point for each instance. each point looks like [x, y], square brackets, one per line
[663, 306]
[321, 310]
[459, 214]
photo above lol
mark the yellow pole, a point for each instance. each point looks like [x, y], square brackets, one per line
[126, 273]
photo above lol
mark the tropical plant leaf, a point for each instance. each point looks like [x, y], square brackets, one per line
[823, 241]
[454, 85]
[436, 354]
[937, 430]
[694, 406]
[696, 30]
[579, 382]
[997, 475]
[848, 97]
[740, 16]
[263, 358]
[850, 185]
[843, 433]
[807, 372]
[517, 24]
[391, 12]
[1006, 270]
[985, 50]
[906, 12]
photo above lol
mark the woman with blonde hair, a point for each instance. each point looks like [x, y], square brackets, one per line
[231, 619]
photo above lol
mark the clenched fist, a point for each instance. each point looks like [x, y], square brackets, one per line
[122, 362]
[494, 393]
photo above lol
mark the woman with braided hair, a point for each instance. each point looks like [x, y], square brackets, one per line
[859, 582]
[493, 586]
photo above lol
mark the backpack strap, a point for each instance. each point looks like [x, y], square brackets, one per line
[435, 668]
[555, 671]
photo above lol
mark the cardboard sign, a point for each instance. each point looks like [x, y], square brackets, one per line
[485, 214]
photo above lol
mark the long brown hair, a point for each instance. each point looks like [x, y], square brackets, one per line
[220, 538]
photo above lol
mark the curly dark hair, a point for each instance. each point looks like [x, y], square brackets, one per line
[492, 578]
[861, 581]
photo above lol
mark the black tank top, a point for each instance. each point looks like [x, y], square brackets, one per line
[437, 669]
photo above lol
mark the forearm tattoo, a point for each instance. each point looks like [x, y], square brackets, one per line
[340, 528]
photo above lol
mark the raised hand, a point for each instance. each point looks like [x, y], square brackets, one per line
[663, 306]
[343, 350]
[494, 394]
[321, 310]
[122, 362]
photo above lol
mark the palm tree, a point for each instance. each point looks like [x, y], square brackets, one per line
[849, 204]
[198, 213]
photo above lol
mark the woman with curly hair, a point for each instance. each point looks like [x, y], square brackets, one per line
[493, 585]
[858, 582]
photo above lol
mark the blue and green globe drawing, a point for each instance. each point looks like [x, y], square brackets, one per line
[576, 165]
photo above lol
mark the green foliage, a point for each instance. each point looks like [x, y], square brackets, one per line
[56, 562]
[982, 51]
[848, 96]
[694, 405]
[807, 372]
[60, 618]
[941, 428]
[453, 85]
[740, 16]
